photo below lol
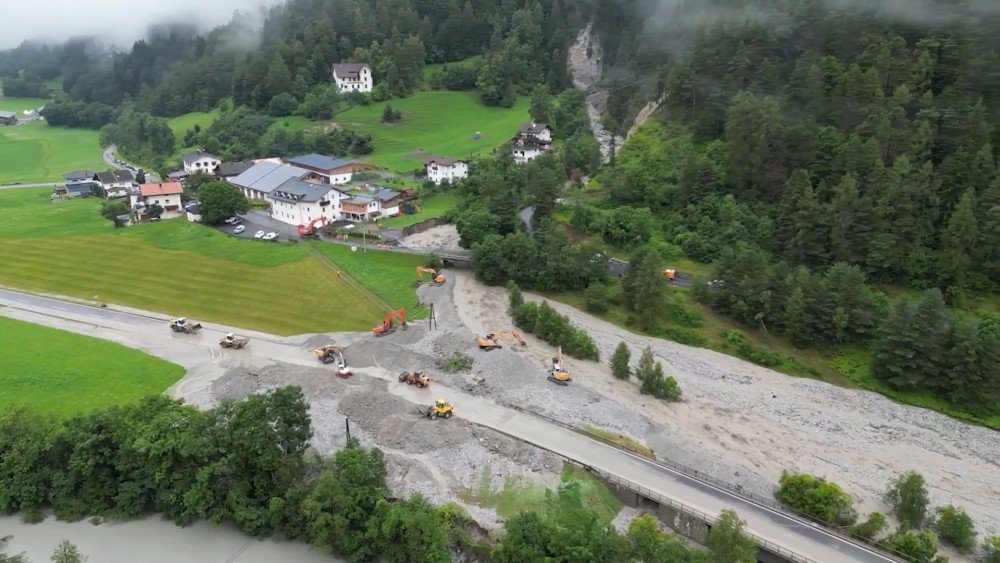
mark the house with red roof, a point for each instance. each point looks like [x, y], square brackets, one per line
[165, 194]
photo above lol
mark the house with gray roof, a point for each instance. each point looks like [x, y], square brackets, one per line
[79, 183]
[327, 169]
[8, 118]
[352, 77]
[199, 162]
[226, 170]
[258, 181]
[116, 183]
[297, 202]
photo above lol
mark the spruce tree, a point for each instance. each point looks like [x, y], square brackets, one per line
[620, 362]
[958, 241]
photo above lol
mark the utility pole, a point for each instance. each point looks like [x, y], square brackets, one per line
[347, 424]
[433, 319]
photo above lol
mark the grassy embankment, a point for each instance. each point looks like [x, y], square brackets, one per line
[431, 207]
[56, 372]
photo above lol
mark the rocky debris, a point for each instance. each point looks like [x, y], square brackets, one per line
[585, 59]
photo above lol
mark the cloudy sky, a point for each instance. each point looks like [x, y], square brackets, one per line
[120, 21]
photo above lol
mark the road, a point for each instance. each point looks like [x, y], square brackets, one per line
[108, 154]
[38, 185]
[199, 353]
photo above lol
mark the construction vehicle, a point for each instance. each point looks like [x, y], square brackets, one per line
[491, 342]
[182, 324]
[231, 340]
[333, 353]
[557, 374]
[417, 378]
[669, 274]
[387, 326]
[440, 408]
[436, 278]
[310, 229]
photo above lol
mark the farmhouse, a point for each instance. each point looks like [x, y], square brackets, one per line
[538, 132]
[227, 170]
[8, 118]
[116, 183]
[199, 161]
[388, 200]
[352, 77]
[296, 202]
[326, 169]
[360, 207]
[526, 151]
[79, 183]
[443, 169]
[531, 141]
[164, 194]
[258, 181]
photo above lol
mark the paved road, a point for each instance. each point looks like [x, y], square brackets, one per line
[108, 154]
[38, 185]
[200, 354]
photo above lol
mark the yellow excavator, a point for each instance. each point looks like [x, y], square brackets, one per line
[332, 353]
[558, 374]
[492, 340]
[436, 278]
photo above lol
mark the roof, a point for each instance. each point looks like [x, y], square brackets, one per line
[532, 128]
[265, 176]
[192, 209]
[233, 168]
[294, 191]
[318, 161]
[78, 188]
[442, 160]
[7, 114]
[193, 156]
[78, 175]
[382, 194]
[115, 176]
[359, 199]
[177, 174]
[160, 188]
[348, 70]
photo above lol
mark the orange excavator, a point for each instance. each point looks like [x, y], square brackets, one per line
[310, 230]
[491, 342]
[387, 326]
[436, 278]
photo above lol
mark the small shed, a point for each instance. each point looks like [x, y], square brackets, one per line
[193, 214]
[8, 118]
[123, 221]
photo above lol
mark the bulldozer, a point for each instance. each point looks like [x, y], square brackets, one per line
[436, 278]
[182, 324]
[310, 229]
[417, 378]
[387, 326]
[557, 374]
[440, 408]
[231, 340]
[333, 353]
[491, 342]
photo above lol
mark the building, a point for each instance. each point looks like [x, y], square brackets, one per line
[360, 207]
[352, 77]
[526, 151]
[259, 180]
[388, 200]
[116, 183]
[531, 141]
[538, 132]
[8, 118]
[326, 169]
[297, 202]
[165, 194]
[193, 213]
[443, 169]
[200, 162]
[227, 170]
[79, 183]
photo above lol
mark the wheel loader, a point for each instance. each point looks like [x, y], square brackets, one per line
[233, 341]
[440, 408]
[182, 324]
[417, 378]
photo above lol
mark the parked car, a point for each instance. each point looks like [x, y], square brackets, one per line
[271, 236]
[237, 220]
[259, 234]
[239, 229]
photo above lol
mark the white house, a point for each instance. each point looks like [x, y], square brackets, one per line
[443, 169]
[200, 162]
[352, 77]
[538, 132]
[116, 183]
[258, 181]
[297, 203]
[525, 151]
[164, 194]
[360, 207]
[193, 213]
[388, 200]
[326, 169]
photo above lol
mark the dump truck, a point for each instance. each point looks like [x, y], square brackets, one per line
[182, 324]
[234, 341]
[417, 378]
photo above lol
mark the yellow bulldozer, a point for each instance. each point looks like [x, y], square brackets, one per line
[436, 277]
[440, 408]
[182, 324]
[558, 374]
[492, 340]
[233, 341]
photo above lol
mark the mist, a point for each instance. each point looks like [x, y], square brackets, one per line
[115, 22]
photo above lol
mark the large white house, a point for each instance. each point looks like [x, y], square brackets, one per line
[200, 162]
[116, 183]
[165, 194]
[443, 169]
[531, 141]
[258, 181]
[538, 132]
[326, 169]
[297, 203]
[352, 77]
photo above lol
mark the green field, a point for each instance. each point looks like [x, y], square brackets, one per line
[180, 268]
[36, 152]
[18, 105]
[389, 275]
[431, 207]
[180, 124]
[60, 373]
[441, 123]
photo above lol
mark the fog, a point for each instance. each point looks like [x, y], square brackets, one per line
[118, 22]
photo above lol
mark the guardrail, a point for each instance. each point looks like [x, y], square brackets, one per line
[735, 490]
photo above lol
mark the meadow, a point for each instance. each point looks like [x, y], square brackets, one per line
[36, 152]
[389, 275]
[431, 207]
[63, 374]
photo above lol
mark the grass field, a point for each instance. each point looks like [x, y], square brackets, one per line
[431, 207]
[180, 124]
[389, 275]
[441, 123]
[60, 373]
[18, 105]
[176, 267]
[37, 152]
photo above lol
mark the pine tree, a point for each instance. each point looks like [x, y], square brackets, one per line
[893, 353]
[966, 378]
[806, 234]
[648, 300]
[620, 360]
[541, 105]
[958, 241]
[849, 222]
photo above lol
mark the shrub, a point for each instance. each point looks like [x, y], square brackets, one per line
[908, 497]
[650, 373]
[816, 497]
[620, 360]
[919, 547]
[597, 298]
[954, 526]
[555, 329]
[872, 527]
[514, 295]
[751, 352]
[457, 362]
[681, 335]
[991, 549]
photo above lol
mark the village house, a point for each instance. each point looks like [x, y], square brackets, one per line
[296, 202]
[8, 118]
[531, 141]
[79, 183]
[199, 162]
[352, 77]
[441, 169]
[326, 169]
[258, 181]
[165, 194]
[526, 151]
[538, 132]
[227, 170]
[360, 207]
[193, 213]
[388, 200]
[116, 183]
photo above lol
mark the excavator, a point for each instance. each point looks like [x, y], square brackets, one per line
[333, 353]
[491, 342]
[436, 278]
[309, 230]
[182, 324]
[557, 374]
[387, 326]
[231, 340]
